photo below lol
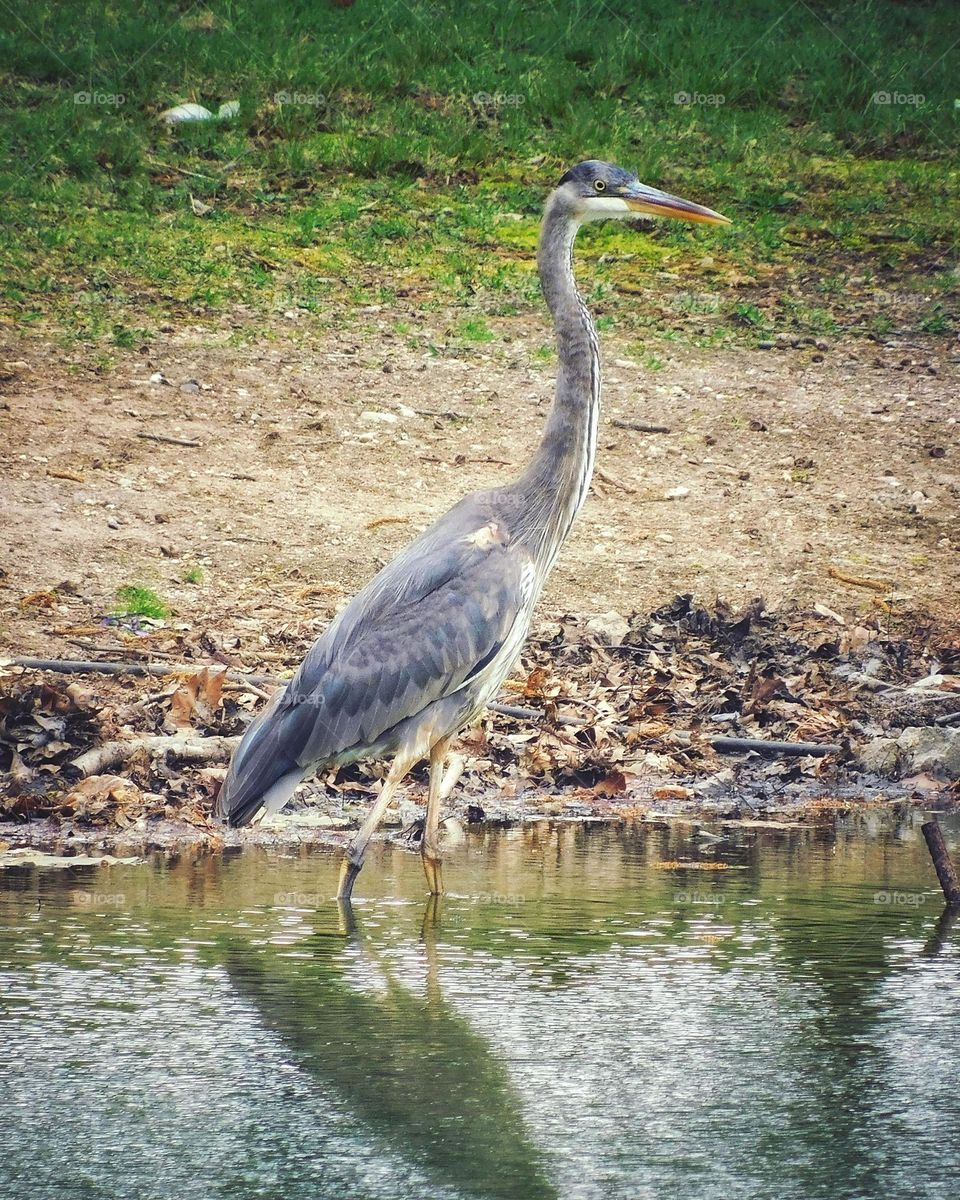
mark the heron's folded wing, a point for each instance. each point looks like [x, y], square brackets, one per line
[430, 621]
[398, 661]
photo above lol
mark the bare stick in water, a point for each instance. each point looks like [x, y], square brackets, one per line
[946, 872]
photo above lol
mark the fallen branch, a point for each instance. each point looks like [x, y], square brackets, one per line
[533, 714]
[728, 745]
[72, 666]
[732, 745]
[946, 873]
[191, 749]
[640, 426]
[169, 441]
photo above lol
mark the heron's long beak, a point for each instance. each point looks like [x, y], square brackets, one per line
[655, 203]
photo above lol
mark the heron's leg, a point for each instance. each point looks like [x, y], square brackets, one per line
[451, 776]
[353, 858]
[430, 847]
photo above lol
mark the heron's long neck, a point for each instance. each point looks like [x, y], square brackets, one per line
[556, 482]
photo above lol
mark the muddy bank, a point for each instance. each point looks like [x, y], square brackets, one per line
[619, 719]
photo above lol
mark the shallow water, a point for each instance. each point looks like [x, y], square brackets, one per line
[572, 1020]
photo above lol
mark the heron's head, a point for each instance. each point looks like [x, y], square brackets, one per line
[593, 190]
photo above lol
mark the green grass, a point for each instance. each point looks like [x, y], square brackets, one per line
[473, 329]
[193, 575]
[137, 601]
[395, 149]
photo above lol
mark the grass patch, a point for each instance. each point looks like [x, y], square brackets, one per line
[402, 149]
[137, 601]
[474, 329]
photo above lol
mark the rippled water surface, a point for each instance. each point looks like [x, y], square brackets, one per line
[574, 1019]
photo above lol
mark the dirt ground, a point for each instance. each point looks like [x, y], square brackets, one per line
[253, 488]
[310, 463]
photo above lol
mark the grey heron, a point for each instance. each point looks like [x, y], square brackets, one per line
[423, 648]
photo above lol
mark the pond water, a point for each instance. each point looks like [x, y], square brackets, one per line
[574, 1019]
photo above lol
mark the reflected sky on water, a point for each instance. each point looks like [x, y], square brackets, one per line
[573, 1020]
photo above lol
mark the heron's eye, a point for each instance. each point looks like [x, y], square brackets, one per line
[600, 185]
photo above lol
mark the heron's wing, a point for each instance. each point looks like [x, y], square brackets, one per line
[430, 622]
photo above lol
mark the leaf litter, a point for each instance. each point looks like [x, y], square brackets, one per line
[613, 729]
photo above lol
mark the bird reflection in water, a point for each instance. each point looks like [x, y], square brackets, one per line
[407, 1064]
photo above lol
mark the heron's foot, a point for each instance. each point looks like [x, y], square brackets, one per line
[432, 870]
[349, 870]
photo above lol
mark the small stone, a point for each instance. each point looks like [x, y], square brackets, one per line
[676, 493]
[409, 813]
[880, 757]
[766, 345]
[384, 418]
[610, 626]
[191, 387]
[720, 784]
[158, 377]
[931, 750]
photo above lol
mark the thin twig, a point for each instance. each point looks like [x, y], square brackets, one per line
[180, 170]
[170, 441]
[875, 585]
[614, 481]
[640, 426]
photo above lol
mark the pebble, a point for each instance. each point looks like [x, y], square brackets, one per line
[609, 625]
[384, 418]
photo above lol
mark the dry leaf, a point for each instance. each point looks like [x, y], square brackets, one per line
[197, 698]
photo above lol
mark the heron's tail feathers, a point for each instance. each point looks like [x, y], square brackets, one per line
[261, 774]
